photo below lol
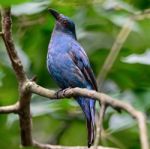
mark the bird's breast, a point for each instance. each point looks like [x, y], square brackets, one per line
[60, 42]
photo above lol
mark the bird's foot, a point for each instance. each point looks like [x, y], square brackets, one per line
[58, 93]
[61, 92]
[65, 90]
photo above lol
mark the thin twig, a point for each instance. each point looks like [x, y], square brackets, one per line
[1, 33]
[99, 125]
[48, 146]
[143, 130]
[10, 109]
[142, 15]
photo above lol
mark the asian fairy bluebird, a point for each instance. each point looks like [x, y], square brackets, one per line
[69, 66]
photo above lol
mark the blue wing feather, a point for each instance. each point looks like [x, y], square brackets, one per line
[80, 59]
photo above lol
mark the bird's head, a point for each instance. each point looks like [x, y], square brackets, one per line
[63, 23]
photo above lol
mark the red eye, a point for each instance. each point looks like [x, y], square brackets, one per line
[65, 22]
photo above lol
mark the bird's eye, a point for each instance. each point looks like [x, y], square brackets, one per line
[64, 22]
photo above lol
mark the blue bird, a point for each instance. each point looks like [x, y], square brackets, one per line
[69, 66]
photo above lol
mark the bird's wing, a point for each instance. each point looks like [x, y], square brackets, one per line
[80, 59]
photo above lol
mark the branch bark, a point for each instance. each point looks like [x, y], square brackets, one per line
[7, 37]
[25, 119]
[24, 102]
[99, 124]
[48, 146]
[10, 109]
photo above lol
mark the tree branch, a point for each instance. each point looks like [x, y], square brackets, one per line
[48, 146]
[7, 37]
[10, 109]
[103, 98]
[24, 102]
[25, 119]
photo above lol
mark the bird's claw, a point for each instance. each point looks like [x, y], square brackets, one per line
[61, 92]
[64, 91]
[58, 93]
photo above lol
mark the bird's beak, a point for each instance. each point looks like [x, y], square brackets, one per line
[54, 13]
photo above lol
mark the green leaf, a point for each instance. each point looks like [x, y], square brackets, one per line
[11, 2]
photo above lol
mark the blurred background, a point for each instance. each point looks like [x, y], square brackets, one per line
[98, 24]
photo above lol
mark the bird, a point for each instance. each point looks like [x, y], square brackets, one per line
[69, 66]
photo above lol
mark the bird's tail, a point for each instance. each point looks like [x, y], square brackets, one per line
[88, 107]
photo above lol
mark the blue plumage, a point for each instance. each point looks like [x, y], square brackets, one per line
[69, 66]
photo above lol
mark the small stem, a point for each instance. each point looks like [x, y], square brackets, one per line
[100, 124]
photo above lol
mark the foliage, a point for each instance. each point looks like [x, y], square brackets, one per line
[97, 23]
